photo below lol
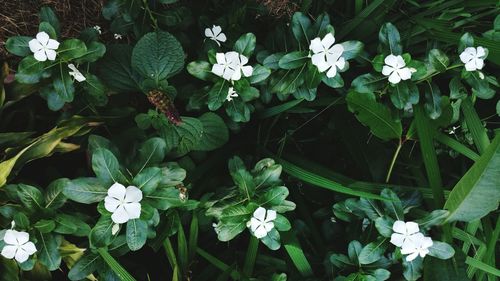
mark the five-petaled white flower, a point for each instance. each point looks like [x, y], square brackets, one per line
[231, 93]
[43, 47]
[419, 245]
[215, 34]
[403, 232]
[117, 36]
[473, 58]
[98, 28]
[231, 65]
[76, 73]
[123, 203]
[17, 245]
[395, 68]
[326, 55]
[261, 222]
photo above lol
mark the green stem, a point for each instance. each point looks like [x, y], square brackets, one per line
[394, 157]
[251, 255]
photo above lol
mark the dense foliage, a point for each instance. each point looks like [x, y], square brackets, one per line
[254, 140]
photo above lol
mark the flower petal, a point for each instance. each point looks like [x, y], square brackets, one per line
[228, 73]
[43, 38]
[243, 60]
[34, 45]
[10, 237]
[465, 57]
[111, 203]
[236, 75]
[316, 46]
[480, 52]
[218, 69]
[29, 248]
[405, 74]
[471, 65]
[117, 190]
[260, 232]
[133, 194]
[336, 51]
[397, 239]
[40, 55]
[22, 237]
[331, 72]
[479, 63]
[9, 251]
[271, 215]
[387, 70]
[51, 54]
[426, 242]
[52, 44]
[341, 63]
[268, 226]
[318, 59]
[394, 78]
[120, 215]
[411, 227]
[399, 227]
[260, 214]
[21, 255]
[328, 40]
[220, 58]
[391, 60]
[221, 37]
[247, 70]
[412, 256]
[208, 33]
[400, 62]
[254, 223]
[133, 210]
[216, 29]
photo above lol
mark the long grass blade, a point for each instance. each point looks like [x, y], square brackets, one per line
[250, 256]
[475, 126]
[294, 250]
[482, 266]
[218, 263]
[457, 146]
[115, 266]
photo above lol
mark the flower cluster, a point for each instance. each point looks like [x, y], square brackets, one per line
[326, 55]
[412, 242]
[231, 66]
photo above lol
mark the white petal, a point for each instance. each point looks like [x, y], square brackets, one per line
[268, 226]
[271, 215]
[254, 223]
[232, 58]
[34, 45]
[243, 60]
[218, 69]
[9, 251]
[400, 61]
[228, 73]
[115, 229]
[397, 239]
[221, 37]
[21, 255]
[465, 57]
[133, 210]
[29, 248]
[318, 59]
[427, 242]
[399, 227]
[260, 214]
[117, 191]
[408, 249]
[331, 72]
[40, 55]
[247, 70]
[471, 50]
[43, 38]
[221, 58]
[133, 194]
[208, 33]
[412, 256]
[341, 63]
[328, 40]
[22, 237]
[51, 54]
[120, 215]
[72, 67]
[387, 70]
[394, 78]
[479, 63]
[480, 52]
[216, 29]
[404, 73]
[79, 76]
[423, 252]
[236, 75]
[53, 44]
[316, 46]
[411, 227]
[336, 51]
[471, 65]
[391, 60]
[10, 237]
[260, 232]
[111, 203]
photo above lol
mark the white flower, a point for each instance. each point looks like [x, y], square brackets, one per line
[215, 34]
[231, 93]
[43, 47]
[262, 222]
[326, 55]
[419, 245]
[117, 36]
[231, 65]
[403, 232]
[473, 58]
[123, 203]
[76, 73]
[395, 69]
[17, 245]
[115, 228]
[98, 28]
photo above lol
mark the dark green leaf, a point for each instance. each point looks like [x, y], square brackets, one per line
[245, 45]
[137, 231]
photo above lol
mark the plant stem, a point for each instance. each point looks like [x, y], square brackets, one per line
[251, 255]
[396, 153]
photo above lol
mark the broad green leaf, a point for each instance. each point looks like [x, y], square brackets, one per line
[150, 153]
[172, 174]
[137, 231]
[305, 93]
[18, 45]
[393, 206]
[63, 84]
[200, 69]
[390, 40]
[54, 197]
[374, 115]
[448, 270]
[45, 226]
[71, 49]
[441, 250]
[457, 89]
[478, 191]
[238, 110]
[48, 250]
[100, 235]
[273, 196]
[158, 56]
[116, 71]
[259, 74]
[300, 26]
[65, 224]
[96, 90]
[165, 198]
[21, 220]
[85, 190]
[384, 225]
[106, 166]
[85, 266]
[229, 230]
[352, 49]
[48, 15]
[30, 71]
[372, 252]
[217, 94]
[436, 217]
[245, 45]
[438, 60]
[47, 28]
[148, 179]
[412, 271]
[404, 94]
[368, 83]
[115, 266]
[185, 137]
[293, 60]
[30, 196]
[95, 51]
[272, 240]
[215, 132]
[281, 223]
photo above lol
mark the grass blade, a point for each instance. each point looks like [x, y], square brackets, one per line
[475, 126]
[251, 255]
[296, 254]
[482, 266]
[193, 236]
[218, 263]
[275, 110]
[115, 266]
[457, 146]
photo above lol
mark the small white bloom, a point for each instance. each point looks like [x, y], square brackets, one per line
[43, 47]
[473, 58]
[403, 232]
[12, 224]
[419, 245]
[231, 65]
[261, 222]
[98, 28]
[395, 68]
[123, 203]
[215, 34]
[76, 73]
[231, 94]
[327, 55]
[115, 228]
[17, 245]
[117, 36]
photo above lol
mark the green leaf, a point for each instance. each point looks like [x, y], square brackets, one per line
[412, 271]
[432, 101]
[438, 60]
[63, 85]
[71, 49]
[238, 110]
[457, 89]
[436, 217]
[300, 26]
[245, 45]
[241, 177]
[45, 226]
[319, 28]
[389, 39]
[106, 166]
[85, 190]
[148, 179]
[116, 71]
[297, 255]
[96, 90]
[217, 95]
[18, 45]
[368, 83]
[478, 191]
[259, 74]
[184, 137]
[447, 270]
[165, 198]
[137, 234]
[441, 250]
[465, 41]
[85, 266]
[48, 250]
[65, 224]
[281, 223]
[393, 206]
[215, 132]
[150, 153]
[229, 230]
[273, 196]
[200, 69]
[95, 51]
[352, 49]
[30, 71]
[115, 266]
[47, 28]
[47, 15]
[100, 235]
[172, 174]
[21, 220]
[293, 60]
[30, 196]
[404, 94]
[384, 226]
[372, 252]
[54, 197]
[374, 115]
[272, 240]
[158, 56]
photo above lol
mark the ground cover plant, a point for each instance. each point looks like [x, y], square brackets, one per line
[250, 140]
